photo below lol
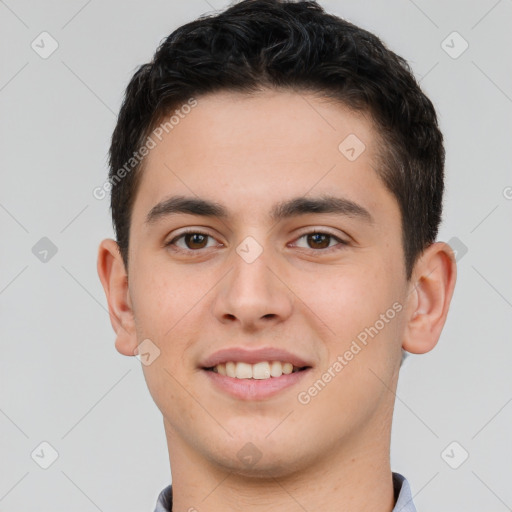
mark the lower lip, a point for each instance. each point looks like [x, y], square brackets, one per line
[255, 389]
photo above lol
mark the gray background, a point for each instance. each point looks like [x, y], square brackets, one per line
[61, 379]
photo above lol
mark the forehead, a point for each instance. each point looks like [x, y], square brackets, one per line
[275, 126]
[256, 150]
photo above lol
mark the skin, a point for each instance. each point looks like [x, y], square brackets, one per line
[248, 153]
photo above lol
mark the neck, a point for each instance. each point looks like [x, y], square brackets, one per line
[355, 476]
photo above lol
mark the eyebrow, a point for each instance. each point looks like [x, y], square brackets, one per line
[284, 210]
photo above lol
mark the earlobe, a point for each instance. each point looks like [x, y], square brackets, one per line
[430, 295]
[113, 277]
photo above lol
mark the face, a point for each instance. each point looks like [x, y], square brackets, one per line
[266, 269]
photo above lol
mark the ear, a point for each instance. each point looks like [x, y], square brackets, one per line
[430, 294]
[114, 279]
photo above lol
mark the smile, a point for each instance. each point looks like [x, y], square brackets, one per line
[261, 370]
[256, 381]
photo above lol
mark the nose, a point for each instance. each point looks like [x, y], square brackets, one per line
[254, 295]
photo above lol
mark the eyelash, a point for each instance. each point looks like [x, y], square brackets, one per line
[336, 247]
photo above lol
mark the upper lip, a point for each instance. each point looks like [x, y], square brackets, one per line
[239, 354]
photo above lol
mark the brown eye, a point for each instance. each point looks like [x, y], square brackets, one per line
[319, 240]
[191, 241]
[195, 240]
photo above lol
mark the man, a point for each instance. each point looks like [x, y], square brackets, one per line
[277, 183]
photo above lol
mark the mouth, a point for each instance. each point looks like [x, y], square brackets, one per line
[254, 382]
[262, 370]
[255, 374]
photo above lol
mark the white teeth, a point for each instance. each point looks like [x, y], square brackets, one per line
[231, 369]
[276, 369]
[287, 368]
[243, 371]
[262, 370]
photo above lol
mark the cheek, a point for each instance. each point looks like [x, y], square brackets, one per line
[165, 305]
[358, 317]
[361, 348]
[163, 299]
[347, 298]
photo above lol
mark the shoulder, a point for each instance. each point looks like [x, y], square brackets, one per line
[164, 501]
[403, 494]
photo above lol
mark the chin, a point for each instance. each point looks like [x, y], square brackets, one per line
[256, 459]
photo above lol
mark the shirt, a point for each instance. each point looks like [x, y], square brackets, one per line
[401, 487]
